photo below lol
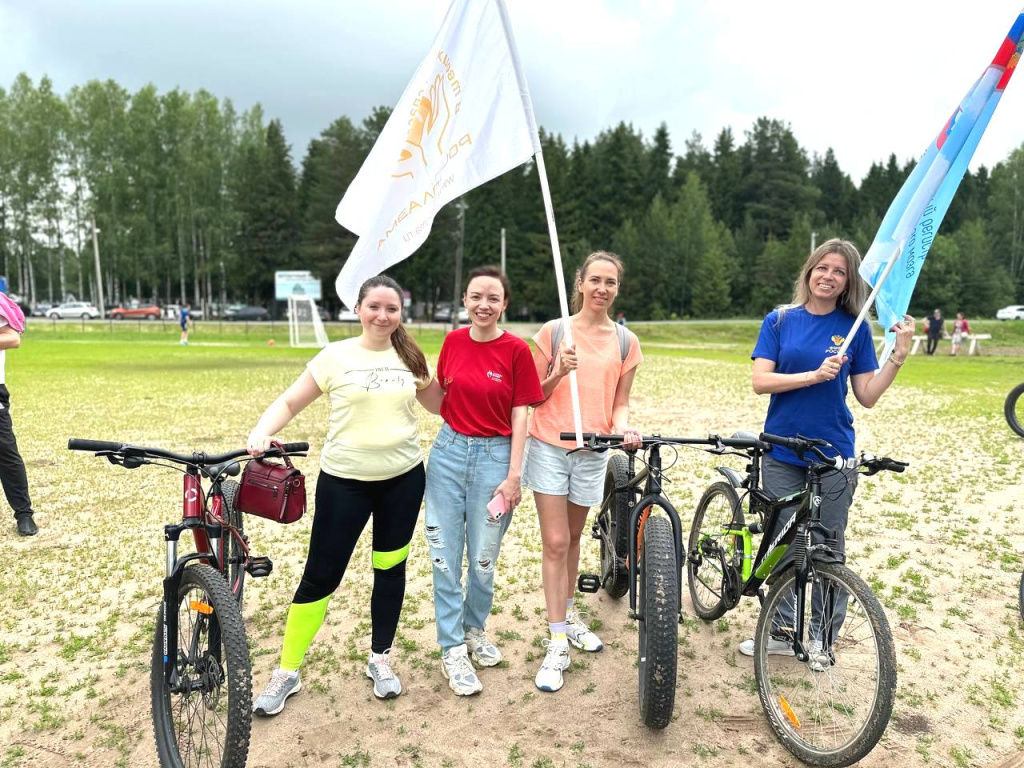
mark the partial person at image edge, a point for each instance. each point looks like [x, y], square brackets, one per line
[12, 467]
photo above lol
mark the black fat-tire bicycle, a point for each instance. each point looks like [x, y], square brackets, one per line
[641, 552]
[824, 659]
[1014, 409]
[200, 678]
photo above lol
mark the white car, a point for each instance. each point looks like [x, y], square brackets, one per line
[82, 309]
[346, 315]
[1012, 312]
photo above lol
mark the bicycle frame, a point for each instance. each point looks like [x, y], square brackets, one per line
[210, 548]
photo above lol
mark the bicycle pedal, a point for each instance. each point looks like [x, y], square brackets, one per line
[258, 567]
[595, 532]
[588, 582]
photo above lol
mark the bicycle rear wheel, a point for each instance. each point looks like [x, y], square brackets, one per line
[659, 631]
[205, 721]
[236, 557]
[1014, 409]
[832, 709]
[717, 508]
[614, 573]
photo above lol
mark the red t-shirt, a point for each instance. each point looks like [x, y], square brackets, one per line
[484, 380]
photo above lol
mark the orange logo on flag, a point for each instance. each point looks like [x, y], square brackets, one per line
[431, 114]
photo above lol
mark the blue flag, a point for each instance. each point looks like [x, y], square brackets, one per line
[913, 218]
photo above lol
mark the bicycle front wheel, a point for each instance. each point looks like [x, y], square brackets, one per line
[832, 709]
[1014, 409]
[204, 721]
[717, 509]
[659, 630]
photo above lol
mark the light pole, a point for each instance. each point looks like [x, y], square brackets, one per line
[814, 238]
[99, 275]
[462, 208]
[503, 265]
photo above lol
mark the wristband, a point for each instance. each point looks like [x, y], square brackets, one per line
[899, 364]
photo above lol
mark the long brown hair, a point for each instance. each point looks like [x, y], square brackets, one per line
[407, 349]
[854, 295]
[581, 274]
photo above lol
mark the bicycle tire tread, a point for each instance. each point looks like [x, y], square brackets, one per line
[657, 670]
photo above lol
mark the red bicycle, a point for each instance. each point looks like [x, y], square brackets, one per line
[200, 679]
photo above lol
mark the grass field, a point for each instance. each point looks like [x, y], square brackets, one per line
[941, 545]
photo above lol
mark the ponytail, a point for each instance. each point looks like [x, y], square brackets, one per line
[410, 353]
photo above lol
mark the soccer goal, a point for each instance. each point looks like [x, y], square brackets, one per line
[305, 329]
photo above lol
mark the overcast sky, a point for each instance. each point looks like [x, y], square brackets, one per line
[867, 78]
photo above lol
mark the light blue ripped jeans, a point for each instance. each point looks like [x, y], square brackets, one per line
[462, 475]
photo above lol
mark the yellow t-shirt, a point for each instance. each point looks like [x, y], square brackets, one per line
[372, 433]
[600, 368]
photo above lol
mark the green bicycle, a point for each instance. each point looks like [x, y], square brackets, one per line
[823, 651]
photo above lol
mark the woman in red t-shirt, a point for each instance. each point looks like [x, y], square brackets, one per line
[474, 470]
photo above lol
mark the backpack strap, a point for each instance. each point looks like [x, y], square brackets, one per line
[556, 338]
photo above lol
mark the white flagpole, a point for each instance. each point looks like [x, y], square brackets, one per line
[871, 299]
[549, 211]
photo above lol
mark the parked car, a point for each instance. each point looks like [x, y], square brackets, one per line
[1012, 312]
[82, 309]
[444, 315]
[325, 314]
[346, 315]
[237, 313]
[40, 310]
[136, 310]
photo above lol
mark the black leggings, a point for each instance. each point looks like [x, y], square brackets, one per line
[343, 507]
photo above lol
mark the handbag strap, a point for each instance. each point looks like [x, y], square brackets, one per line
[280, 447]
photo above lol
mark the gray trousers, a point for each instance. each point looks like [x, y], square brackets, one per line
[837, 489]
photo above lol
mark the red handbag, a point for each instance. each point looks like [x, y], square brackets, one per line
[271, 490]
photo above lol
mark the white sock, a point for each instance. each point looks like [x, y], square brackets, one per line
[568, 605]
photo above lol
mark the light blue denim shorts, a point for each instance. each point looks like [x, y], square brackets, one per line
[580, 476]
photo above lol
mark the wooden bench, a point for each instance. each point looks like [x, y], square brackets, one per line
[974, 348]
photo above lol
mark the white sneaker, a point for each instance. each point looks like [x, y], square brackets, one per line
[282, 685]
[579, 634]
[385, 681]
[483, 650]
[461, 676]
[776, 647]
[556, 660]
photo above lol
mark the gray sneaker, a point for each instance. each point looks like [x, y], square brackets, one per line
[483, 650]
[385, 683]
[282, 685]
[459, 672]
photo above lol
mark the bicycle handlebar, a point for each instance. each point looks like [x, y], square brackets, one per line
[594, 440]
[197, 458]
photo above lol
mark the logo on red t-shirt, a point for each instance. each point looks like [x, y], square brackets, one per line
[494, 376]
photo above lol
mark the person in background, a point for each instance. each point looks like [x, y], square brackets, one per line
[960, 329]
[185, 318]
[474, 471]
[935, 323]
[371, 465]
[12, 468]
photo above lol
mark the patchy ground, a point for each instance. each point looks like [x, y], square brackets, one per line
[941, 545]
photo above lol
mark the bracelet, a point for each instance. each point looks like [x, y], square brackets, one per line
[899, 364]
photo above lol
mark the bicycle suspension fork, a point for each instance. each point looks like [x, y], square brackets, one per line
[802, 563]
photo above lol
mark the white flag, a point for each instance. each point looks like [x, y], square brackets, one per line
[465, 119]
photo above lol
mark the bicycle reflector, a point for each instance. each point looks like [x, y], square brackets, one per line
[790, 714]
[200, 607]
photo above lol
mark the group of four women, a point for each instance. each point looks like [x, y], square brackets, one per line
[488, 448]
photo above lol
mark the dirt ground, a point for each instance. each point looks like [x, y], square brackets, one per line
[942, 545]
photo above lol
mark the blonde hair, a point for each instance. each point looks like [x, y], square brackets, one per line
[854, 295]
[581, 274]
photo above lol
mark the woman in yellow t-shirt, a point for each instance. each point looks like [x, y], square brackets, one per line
[566, 486]
[371, 464]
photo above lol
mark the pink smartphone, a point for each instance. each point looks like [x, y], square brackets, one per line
[496, 507]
